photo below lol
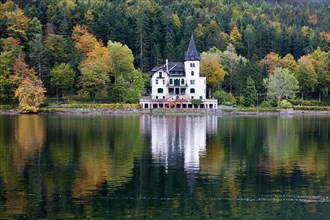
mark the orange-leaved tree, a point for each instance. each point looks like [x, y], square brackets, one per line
[94, 67]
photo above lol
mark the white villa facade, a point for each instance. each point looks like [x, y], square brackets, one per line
[179, 85]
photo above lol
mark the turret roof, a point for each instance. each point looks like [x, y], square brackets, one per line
[191, 54]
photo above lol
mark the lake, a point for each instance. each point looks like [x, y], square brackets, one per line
[164, 167]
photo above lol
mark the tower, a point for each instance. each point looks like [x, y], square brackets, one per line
[195, 84]
[191, 60]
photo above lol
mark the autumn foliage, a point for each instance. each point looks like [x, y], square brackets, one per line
[30, 94]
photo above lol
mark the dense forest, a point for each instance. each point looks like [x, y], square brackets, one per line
[106, 49]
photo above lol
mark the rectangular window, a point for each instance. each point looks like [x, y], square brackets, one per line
[192, 64]
[163, 81]
[192, 82]
[200, 97]
[156, 81]
[192, 73]
[171, 81]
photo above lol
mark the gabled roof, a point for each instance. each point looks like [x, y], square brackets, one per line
[174, 68]
[191, 54]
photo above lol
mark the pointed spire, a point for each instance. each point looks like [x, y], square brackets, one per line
[191, 54]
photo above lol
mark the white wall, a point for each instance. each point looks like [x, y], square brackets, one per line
[155, 87]
[200, 83]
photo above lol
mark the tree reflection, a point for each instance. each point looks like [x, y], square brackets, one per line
[29, 139]
[163, 167]
[281, 145]
[20, 144]
[107, 149]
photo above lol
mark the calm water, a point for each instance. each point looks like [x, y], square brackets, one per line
[164, 167]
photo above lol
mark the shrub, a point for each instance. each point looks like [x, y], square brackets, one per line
[265, 104]
[241, 101]
[231, 98]
[196, 101]
[6, 107]
[307, 102]
[220, 95]
[312, 108]
[285, 104]
[103, 106]
[224, 98]
[132, 96]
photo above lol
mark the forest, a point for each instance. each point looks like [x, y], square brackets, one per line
[104, 50]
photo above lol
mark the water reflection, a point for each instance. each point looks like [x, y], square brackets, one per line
[20, 144]
[164, 167]
[180, 139]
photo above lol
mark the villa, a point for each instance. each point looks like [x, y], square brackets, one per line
[179, 85]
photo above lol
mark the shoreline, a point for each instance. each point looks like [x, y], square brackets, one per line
[174, 111]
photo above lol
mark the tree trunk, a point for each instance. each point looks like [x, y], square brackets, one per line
[141, 52]
[56, 96]
[92, 95]
[231, 77]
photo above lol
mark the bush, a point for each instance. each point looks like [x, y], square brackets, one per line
[307, 103]
[196, 101]
[285, 104]
[312, 108]
[265, 104]
[103, 106]
[132, 96]
[220, 96]
[6, 107]
[241, 101]
[224, 98]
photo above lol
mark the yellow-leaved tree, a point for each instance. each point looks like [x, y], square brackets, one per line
[30, 94]
[211, 69]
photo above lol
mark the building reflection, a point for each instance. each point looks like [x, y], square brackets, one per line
[178, 141]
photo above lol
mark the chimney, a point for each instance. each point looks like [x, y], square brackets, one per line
[166, 65]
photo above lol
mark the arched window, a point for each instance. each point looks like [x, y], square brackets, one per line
[160, 90]
[192, 90]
